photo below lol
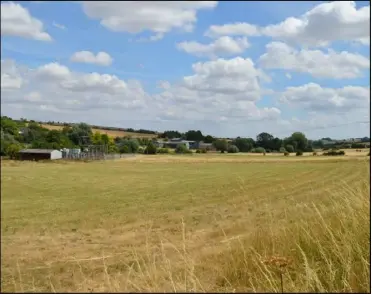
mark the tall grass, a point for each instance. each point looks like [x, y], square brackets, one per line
[312, 247]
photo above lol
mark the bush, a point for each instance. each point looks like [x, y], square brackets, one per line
[163, 150]
[334, 153]
[315, 154]
[233, 149]
[204, 150]
[150, 149]
[12, 151]
[299, 153]
[258, 150]
[289, 148]
[286, 153]
[182, 149]
[141, 150]
[198, 151]
[282, 150]
[125, 149]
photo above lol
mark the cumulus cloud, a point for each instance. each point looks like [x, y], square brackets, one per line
[219, 88]
[315, 98]
[17, 21]
[102, 58]
[222, 46]
[233, 29]
[322, 25]
[337, 65]
[54, 86]
[326, 23]
[10, 76]
[134, 17]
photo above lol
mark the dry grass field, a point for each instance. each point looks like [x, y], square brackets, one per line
[187, 223]
[110, 133]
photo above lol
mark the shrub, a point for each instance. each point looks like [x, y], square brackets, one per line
[150, 149]
[198, 151]
[141, 150]
[334, 153]
[299, 153]
[182, 149]
[204, 150]
[12, 150]
[315, 154]
[259, 150]
[233, 149]
[286, 153]
[282, 150]
[289, 148]
[163, 150]
[125, 149]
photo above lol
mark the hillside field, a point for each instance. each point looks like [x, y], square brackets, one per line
[111, 133]
[214, 222]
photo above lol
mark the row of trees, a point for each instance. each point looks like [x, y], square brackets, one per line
[17, 134]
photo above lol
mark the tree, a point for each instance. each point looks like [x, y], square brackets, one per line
[150, 149]
[12, 150]
[208, 139]
[80, 134]
[298, 140]
[220, 145]
[233, 149]
[243, 144]
[290, 148]
[264, 140]
[194, 135]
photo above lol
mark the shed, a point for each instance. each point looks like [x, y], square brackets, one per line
[39, 154]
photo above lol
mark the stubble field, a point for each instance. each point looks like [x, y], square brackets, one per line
[187, 223]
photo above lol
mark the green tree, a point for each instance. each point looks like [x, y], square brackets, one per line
[181, 148]
[243, 144]
[233, 149]
[194, 135]
[150, 148]
[12, 150]
[208, 139]
[290, 148]
[264, 140]
[221, 145]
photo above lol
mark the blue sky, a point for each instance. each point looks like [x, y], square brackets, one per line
[267, 66]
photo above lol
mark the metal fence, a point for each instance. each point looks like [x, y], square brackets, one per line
[94, 156]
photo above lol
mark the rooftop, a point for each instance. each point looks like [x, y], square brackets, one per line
[37, 151]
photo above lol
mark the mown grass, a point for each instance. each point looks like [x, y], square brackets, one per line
[189, 225]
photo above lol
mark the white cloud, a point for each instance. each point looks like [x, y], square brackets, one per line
[226, 46]
[10, 76]
[219, 88]
[54, 86]
[60, 26]
[134, 17]
[17, 21]
[233, 29]
[343, 65]
[313, 97]
[327, 22]
[288, 76]
[102, 58]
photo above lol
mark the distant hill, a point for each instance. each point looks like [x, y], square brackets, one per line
[111, 133]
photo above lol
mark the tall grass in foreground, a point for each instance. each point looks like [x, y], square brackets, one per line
[314, 247]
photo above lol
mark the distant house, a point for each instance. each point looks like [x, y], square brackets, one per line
[39, 154]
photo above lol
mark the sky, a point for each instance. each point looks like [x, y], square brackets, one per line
[226, 68]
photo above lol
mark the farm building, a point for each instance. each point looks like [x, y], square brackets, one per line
[39, 154]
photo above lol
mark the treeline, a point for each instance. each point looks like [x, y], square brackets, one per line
[57, 123]
[18, 134]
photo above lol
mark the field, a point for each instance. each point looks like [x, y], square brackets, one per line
[110, 133]
[187, 223]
